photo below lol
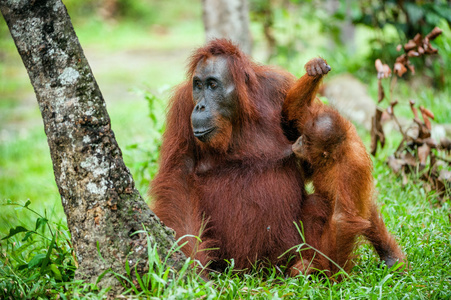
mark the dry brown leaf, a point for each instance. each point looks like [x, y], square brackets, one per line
[439, 187]
[378, 65]
[415, 148]
[399, 69]
[421, 50]
[417, 39]
[383, 70]
[445, 143]
[431, 143]
[412, 53]
[431, 50]
[426, 43]
[427, 122]
[434, 33]
[410, 45]
[428, 47]
[426, 114]
[409, 159]
[395, 164]
[402, 59]
[423, 153]
[413, 132]
[424, 132]
[412, 107]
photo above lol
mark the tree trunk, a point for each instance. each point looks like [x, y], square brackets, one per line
[228, 19]
[102, 205]
[347, 29]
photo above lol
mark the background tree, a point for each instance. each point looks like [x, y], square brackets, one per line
[102, 205]
[228, 19]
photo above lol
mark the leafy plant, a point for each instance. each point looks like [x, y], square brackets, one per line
[404, 19]
[160, 280]
[416, 145]
[43, 257]
[408, 16]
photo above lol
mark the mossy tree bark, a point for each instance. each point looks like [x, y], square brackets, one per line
[102, 205]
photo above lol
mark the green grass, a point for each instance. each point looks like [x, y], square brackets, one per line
[412, 214]
[421, 227]
[32, 262]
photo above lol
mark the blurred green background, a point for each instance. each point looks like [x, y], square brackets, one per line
[138, 49]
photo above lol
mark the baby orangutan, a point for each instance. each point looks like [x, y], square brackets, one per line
[341, 175]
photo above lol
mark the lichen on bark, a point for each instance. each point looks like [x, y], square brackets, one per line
[101, 203]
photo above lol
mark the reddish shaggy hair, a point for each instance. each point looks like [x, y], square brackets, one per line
[189, 190]
[244, 194]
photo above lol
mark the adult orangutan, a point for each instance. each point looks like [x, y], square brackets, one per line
[224, 172]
